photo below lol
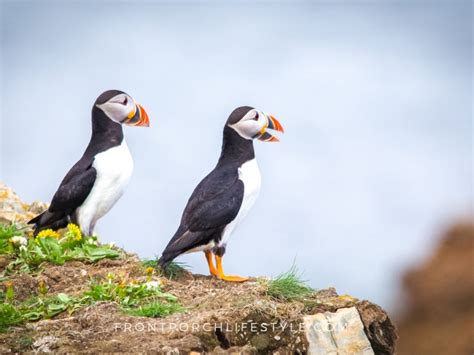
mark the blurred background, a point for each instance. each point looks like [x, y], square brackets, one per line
[375, 98]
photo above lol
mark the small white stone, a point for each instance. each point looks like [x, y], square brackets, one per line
[277, 337]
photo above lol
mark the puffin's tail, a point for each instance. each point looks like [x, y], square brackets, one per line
[173, 249]
[49, 220]
[166, 259]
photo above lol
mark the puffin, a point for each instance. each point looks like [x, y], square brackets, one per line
[97, 181]
[224, 197]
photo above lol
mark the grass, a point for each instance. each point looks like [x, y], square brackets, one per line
[8, 231]
[138, 299]
[144, 299]
[29, 253]
[288, 286]
[127, 294]
[9, 316]
[37, 307]
[174, 270]
[156, 309]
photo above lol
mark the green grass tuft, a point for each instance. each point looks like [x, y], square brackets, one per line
[140, 299]
[156, 309]
[9, 316]
[174, 270]
[288, 286]
[126, 295]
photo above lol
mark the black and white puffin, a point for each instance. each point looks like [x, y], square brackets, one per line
[224, 197]
[98, 179]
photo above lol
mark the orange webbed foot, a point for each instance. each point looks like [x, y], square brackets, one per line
[233, 278]
[222, 276]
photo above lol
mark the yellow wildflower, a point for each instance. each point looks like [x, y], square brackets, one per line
[75, 231]
[122, 284]
[149, 271]
[48, 233]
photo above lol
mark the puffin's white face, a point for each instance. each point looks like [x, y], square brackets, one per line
[254, 124]
[123, 109]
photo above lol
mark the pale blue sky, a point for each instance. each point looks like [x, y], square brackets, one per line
[375, 97]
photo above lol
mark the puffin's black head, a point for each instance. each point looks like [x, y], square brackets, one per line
[121, 108]
[251, 123]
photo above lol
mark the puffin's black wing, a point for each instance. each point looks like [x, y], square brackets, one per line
[71, 193]
[74, 188]
[214, 203]
[217, 211]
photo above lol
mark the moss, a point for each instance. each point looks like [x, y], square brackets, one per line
[260, 341]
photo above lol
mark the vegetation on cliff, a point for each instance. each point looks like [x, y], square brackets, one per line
[65, 291]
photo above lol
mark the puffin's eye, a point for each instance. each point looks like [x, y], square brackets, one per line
[256, 116]
[125, 101]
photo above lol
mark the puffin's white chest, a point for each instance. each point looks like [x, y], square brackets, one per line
[114, 168]
[249, 174]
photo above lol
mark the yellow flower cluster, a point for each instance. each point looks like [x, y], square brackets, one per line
[48, 233]
[75, 231]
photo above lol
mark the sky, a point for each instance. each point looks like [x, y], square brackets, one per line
[375, 98]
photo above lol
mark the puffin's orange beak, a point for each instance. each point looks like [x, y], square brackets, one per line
[272, 123]
[138, 118]
[144, 121]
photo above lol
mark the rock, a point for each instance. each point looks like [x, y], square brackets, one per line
[12, 209]
[378, 327]
[46, 344]
[439, 318]
[340, 332]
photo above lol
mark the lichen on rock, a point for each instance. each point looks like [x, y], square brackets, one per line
[13, 209]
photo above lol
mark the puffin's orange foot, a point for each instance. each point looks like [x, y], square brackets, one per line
[233, 278]
[222, 276]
